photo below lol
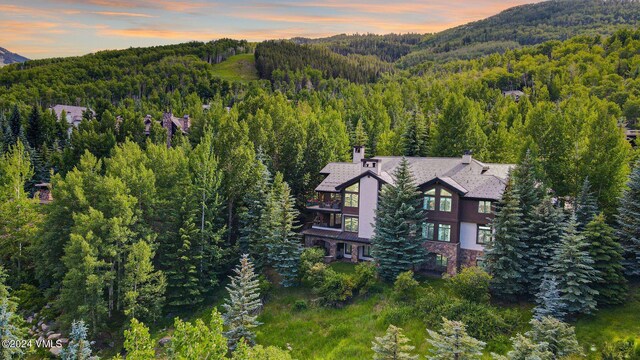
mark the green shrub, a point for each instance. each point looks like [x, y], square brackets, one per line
[316, 274]
[265, 286]
[365, 277]
[30, 299]
[335, 289]
[310, 257]
[405, 287]
[620, 350]
[300, 305]
[472, 284]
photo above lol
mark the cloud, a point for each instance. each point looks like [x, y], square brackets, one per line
[118, 13]
[167, 5]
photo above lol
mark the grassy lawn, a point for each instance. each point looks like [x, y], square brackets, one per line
[317, 332]
[609, 324]
[237, 68]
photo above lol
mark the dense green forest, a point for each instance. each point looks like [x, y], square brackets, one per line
[141, 230]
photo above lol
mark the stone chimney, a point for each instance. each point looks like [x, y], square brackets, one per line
[186, 123]
[358, 154]
[466, 158]
[372, 165]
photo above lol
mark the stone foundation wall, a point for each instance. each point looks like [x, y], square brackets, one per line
[450, 250]
[469, 258]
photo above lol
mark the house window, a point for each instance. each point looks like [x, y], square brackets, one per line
[351, 196]
[347, 249]
[484, 234]
[445, 200]
[350, 224]
[444, 233]
[442, 261]
[428, 230]
[479, 263]
[429, 200]
[484, 207]
[366, 251]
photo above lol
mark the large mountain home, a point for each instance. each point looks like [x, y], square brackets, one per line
[458, 198]
[73, 113]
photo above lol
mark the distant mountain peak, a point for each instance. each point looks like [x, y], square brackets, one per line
[7, 57]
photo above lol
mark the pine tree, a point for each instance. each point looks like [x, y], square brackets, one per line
[206, 180]
[183, 286]
[360, 137]
[8, 331]
[586, 205]
[549, 300]
[560, 337]
[396, 244]
[526, 349]
[415, 136]
[453, 343]
[283, 242]
[138, 343]
[243, 304]
[544, 233]
[504, 255]
[628, 224]
[79, 347]
[15, 123]
[36, 131]
[573, 267]
[254, 215]
[144, 287]
[527, 181]
[458, 128]
[392, 346]
[606, 253]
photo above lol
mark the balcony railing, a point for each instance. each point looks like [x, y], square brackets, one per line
[324, 205]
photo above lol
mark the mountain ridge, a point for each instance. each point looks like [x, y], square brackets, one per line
[7, 57]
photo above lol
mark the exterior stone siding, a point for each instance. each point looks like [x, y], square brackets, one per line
[450, 250]
[469, 258]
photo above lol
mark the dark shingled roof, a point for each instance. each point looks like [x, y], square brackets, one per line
[472, 180]
[336, 235]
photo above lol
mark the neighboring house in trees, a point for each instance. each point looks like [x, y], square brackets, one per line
[171, 123]
[74, 113]
[459, 197]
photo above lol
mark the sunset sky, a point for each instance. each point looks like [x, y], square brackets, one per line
[39, 29]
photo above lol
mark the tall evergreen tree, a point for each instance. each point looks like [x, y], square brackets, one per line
[392, 346]
[415, 136]
[15, 123]
[586, 206]
[606, 253]
[396, 243]
[36, 129]
[528, 183]
[254, 215]
[628, 224]
[206, 181]
[183, 285]
[544, 233]
[283, 241]
[504, 255]
[144, 287]
[79, 347]
[573, 267]
[526, 349]
[243, 304]
[549, 300]
[453, 343]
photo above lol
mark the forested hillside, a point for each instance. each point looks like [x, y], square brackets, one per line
[387, 48]
[137, 229]
[528, 25]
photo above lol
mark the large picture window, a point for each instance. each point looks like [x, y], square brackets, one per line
[427, 230]
[429, 200]
[484, 234]
[366, 251]
[444, 233]
[347, 249]
[445, 200]
[350, 224]
[351, 196]
[484, 207]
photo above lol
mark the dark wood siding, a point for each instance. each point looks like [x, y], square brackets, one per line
[469, 212]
